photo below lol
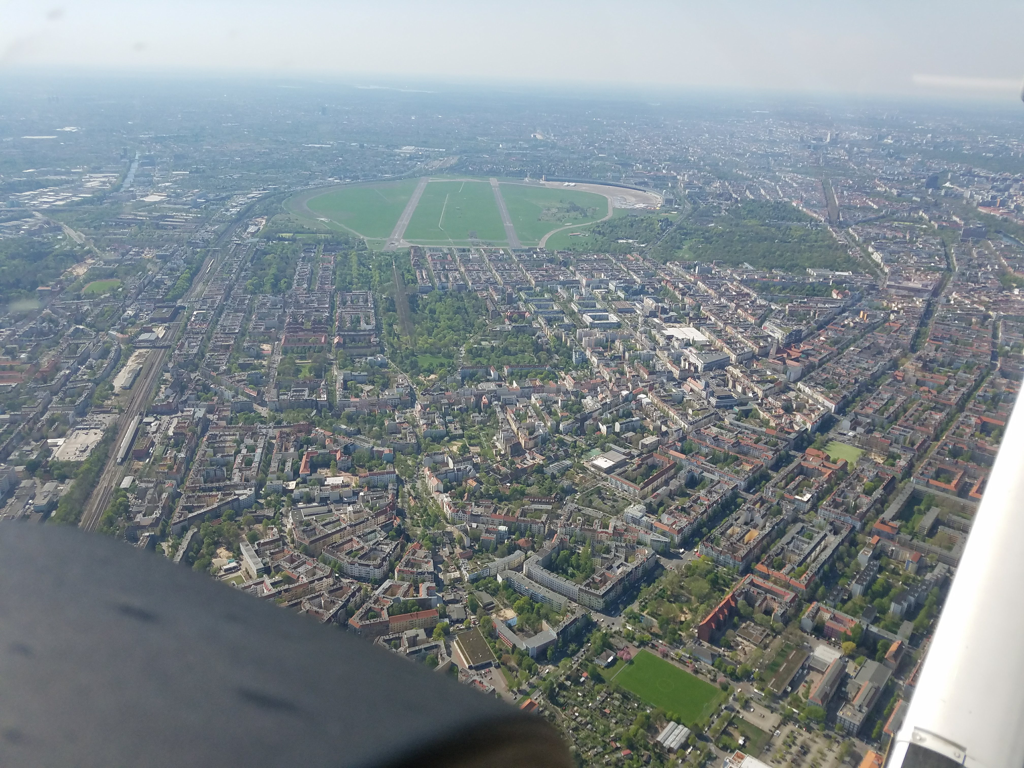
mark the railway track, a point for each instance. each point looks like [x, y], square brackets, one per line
[114, 472]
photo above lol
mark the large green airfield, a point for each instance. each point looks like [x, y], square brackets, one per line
[456, 211]
[536, 211]
[449, 212]
[368, 209]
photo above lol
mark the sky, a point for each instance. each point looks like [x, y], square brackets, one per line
[862, 47]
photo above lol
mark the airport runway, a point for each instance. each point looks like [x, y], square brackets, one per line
[510, 231]
[403, 221]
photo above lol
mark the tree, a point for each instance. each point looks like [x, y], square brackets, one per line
[883, 648]
[440, 630]
[856, 633]
[814, 714]
[849, 647]
[549, 689]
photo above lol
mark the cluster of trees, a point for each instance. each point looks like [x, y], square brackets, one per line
[27, 263]
[403, 606]
[355, 269]
[222, 533]
[734, 671]
[871, 486]
[763, 234]
[118, 509]
[289, 368]
[440, 323]
[860, 647]
[273, 268]
[534, 484]
[578, 566]
[521, 662]
[515, 349]
[698, 587]
[638, 228]
[370, 424]
[918, 511]
[184, 281]
[72, 504]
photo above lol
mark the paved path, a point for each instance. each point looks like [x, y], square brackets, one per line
[510, 231]
[403, 221]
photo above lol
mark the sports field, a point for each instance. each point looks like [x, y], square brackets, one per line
[536, 210]
[837, 450]
[100, 287]
[456, 211]
[371, 210]
[666, 686]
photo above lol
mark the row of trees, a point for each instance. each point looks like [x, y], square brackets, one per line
[72, 504]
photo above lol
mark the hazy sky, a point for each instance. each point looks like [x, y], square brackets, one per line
[929, 47]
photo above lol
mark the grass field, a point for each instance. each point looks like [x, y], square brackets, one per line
[756, 738]
[371, 210]
[456, 211]
[665, 685]
[535, 211]
[577, 237]
[612, 671]
[100, 287]
[837, 450]
[293, 223]
[427, 360]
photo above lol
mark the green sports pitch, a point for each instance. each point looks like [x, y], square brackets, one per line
[670, 688]
[837, 450]
[100, 287]
[449, 212]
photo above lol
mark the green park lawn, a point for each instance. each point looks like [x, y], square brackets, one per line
[427, 360]
[535, 210]
[670, 688]
[456, 211]
[756, 738]
[371, 210]
[578, 237]
[837, 450]
[100, 287]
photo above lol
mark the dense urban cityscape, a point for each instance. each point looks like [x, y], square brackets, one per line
[666, 421]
